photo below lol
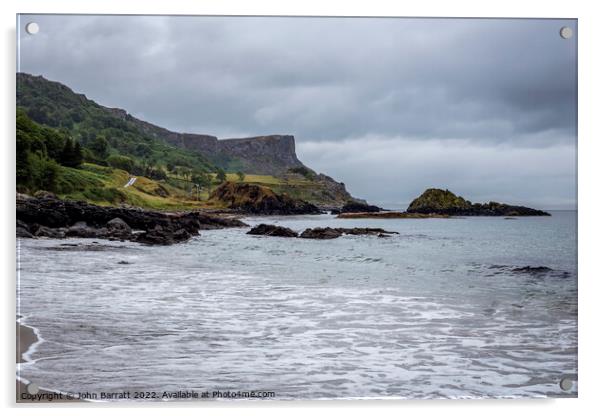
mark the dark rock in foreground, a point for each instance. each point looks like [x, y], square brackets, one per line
[51, 217]
[259, 200]
[359, 207]
[330, 233]
[444, 202]
[272, 230]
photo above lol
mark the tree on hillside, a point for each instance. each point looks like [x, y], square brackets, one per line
[121, 162]
[100, 147]
[71, 155]
[241, 176]
[221, 175]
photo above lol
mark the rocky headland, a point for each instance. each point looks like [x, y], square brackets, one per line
[48, 216]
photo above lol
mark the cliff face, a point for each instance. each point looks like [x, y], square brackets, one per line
[271, 155]
[263, 155]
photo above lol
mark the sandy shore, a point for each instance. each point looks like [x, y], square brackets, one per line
[26, 337]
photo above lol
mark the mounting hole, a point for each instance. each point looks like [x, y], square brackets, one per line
[32, 28]
[32, 388]
[566, 32]
[566, 384]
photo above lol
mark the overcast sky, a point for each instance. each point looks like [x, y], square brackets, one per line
[485, 108]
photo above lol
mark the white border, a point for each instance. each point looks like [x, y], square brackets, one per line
[590, 159]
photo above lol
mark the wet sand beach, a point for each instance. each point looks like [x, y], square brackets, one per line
[26, 337]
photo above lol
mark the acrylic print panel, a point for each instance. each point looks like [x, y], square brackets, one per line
[218, 208]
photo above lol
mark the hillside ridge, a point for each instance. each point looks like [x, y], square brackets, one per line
[272, 154]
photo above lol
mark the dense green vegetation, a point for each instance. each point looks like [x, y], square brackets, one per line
[108, 137]
[40, 151]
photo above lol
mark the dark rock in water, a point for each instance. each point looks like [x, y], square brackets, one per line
[161, 237]
[366, 231]
[335, 211]
[23, 230]
[272, 230]
[41, 231]
[321, 233]
[256, 199]
[359, 207]
[23, 233]
[123, 262]
[532, 270]
[444, 202]
[56, 218]
[82, 230]
[330, 233]
[118, 228]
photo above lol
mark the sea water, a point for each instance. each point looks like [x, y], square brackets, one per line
[441, 309]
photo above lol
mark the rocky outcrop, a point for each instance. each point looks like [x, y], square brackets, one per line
[272, 230]
[55, 218]
[328, 233]
[258, 200]
[317, 233]
[445, 202]
[359, 207]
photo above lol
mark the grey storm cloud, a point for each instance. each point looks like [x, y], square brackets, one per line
[486, 88]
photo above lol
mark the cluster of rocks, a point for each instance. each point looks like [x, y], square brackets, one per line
[49, 216]
[445, 202]
[320, 233]
[258, 200]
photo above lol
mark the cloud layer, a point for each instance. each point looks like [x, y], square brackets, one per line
[486, 108]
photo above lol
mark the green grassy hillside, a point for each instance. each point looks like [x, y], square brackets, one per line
[72, 146]
[101, 131]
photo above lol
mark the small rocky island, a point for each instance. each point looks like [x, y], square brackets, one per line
[445, 202]
[439, 203]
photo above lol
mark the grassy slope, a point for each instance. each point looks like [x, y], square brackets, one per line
[105, 186]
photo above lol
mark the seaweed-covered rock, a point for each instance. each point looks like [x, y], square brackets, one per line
[256, 199]
[445, 202]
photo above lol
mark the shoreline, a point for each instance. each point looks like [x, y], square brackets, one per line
[27, 339]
